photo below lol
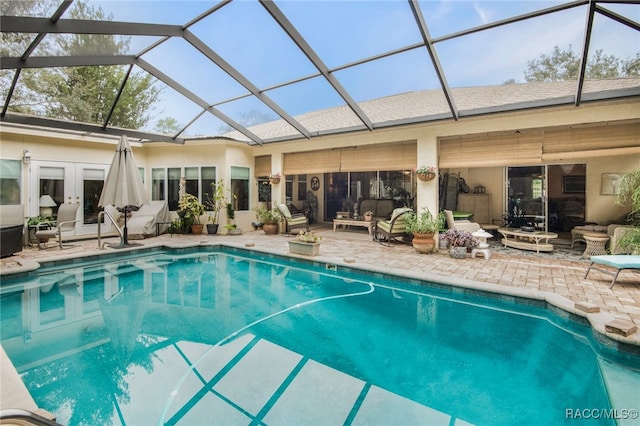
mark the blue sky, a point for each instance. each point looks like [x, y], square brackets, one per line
[341, 32]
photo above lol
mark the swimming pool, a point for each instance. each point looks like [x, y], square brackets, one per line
[224, 336]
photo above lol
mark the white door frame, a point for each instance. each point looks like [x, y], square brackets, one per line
[73, 190]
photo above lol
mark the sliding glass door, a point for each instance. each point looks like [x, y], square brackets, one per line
[526, 197]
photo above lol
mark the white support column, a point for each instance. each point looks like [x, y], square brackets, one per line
[278, 190]
[427, 192]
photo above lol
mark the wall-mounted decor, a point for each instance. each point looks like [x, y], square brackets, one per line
[573, 184]
[315, 183]
[609, 183]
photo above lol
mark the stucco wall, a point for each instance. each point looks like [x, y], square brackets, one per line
[224, 153]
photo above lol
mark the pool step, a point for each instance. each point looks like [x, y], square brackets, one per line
[270, 384]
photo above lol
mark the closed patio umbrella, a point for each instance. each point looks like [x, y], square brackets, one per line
[123, 187]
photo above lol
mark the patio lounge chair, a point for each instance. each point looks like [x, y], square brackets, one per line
[393, 228]
[617, 261]
[66, 221]
[461, 225]
[293, 221]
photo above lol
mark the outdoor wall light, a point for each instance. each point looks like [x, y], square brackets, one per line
[26, 156]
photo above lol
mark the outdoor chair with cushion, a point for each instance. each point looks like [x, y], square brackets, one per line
[293, 221]
[66, 221]
[618, 262]
[393, 228]
[461, 225]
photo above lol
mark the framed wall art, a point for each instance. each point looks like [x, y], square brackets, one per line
[609, 183]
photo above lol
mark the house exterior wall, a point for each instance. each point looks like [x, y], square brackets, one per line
[223, 153]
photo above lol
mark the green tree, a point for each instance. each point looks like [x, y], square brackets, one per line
[565, 65]
[168, 126]
[85, 94]
[24, 99]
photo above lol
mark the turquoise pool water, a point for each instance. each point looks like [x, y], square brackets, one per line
[229, 337]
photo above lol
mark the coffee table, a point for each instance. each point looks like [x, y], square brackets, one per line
[526, 240]
[354, 222]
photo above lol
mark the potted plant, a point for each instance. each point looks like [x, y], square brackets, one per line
[306, 243]
[629, 194]
[192, 208]
[459, 242]
[177, 226]
[423, 226]
[231, 227]
[215, 203]
[426, 173]
[275, 178]
[269, 218]
[368, 215]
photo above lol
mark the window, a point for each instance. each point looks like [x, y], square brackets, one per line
[240, 187]
[158, 184]
[302, 187]
[52, 183]
[207, 178]
[173, 187]
[192, 181]
[92, 184]
[264, 189]
[536, 188]
[10, 182]
[197, 181]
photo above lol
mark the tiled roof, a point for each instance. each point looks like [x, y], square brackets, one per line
[430, 105]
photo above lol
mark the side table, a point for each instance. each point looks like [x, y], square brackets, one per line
[596, 244]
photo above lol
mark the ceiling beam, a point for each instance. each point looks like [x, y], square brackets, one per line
[618, 18]
[196, 99]
[428, 43]
[118, 95]
[588, 25]
[55, 18]
[245, 82]
[7, 63]
[27, 24]
[511, 20]
[302, 44]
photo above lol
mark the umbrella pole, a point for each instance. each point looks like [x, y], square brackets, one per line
[124, 231]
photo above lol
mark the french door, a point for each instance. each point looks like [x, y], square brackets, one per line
[69, 183]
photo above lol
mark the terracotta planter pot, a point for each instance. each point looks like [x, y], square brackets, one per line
[270, 228]
[197, 228]
[423, 243]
